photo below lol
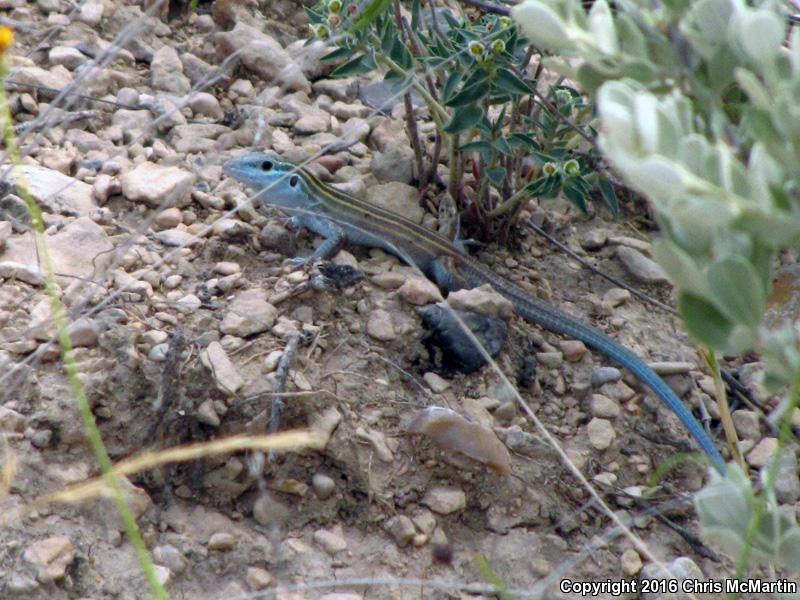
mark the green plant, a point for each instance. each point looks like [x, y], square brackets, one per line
[698, 105]
[506, 141]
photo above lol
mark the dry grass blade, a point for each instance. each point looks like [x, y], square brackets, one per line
[281, 442]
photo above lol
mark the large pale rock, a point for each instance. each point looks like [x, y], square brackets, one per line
[248, 314]
[53, 191]
[50, 556]
[56, 78]
[156, 185]
[222, 368]
[261, 54]
[398, 198]
[166, 72]
[76, 250]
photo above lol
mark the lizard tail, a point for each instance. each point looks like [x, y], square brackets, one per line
[539, 312]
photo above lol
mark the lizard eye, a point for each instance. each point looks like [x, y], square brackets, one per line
[293, 181]
[266, 165]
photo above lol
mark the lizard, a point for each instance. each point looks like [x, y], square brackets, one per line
[340, 217]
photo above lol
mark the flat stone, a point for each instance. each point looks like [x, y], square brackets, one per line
[69, 57]
[263, 55]
[166, 72]
[631, 562]
[51, 557]
[573, 350]
[419, 291]
[396, 164]
[323, 485]
[224, 372]
[54, 191]
[248, 314]
[763, 452]
[746, 423]
[402, 530]
[437, 383]
[56, 78]
[330, 541]
[156, 185]
[380, 326]
[17, 271]
[397, 197]
[483, 300]
[642, 268]
[445, 500]
[258, 579]
[76, 250]
[787, 482]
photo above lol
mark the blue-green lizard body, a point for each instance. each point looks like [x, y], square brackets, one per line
[340, 217]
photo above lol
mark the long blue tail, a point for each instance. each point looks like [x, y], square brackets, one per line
[536, 311]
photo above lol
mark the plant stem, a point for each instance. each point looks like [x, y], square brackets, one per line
[438, 113]
[452, 183]
[724, 410]
[70, 366]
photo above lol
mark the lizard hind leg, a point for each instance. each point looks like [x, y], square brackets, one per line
[443, 271]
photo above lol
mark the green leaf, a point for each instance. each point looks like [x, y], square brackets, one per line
[374, 10]
[544, 158]
[469, 95]
[496, 175]
[509, 82]
[737, 290]
[338, 54]
[477, 146]
[552, 186]
[477, 76]
[388, 36]
[451, 84]
[537, 186]
[451, 20]
[355, 66]
[401, 55]
[703, 321]
[415, 15]
[464, 117]
[502, 146]
[523, 140]
[575, 195]
[609, 196]
[680, 267]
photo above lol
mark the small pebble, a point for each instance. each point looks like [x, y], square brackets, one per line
[601, 433]
[323, 486]
[221, 541]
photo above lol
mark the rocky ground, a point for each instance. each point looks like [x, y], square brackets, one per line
[181, 309]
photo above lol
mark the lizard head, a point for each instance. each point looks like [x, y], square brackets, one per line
[276, 180]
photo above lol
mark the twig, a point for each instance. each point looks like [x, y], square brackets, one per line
[281, 374]
[411, 122]
[45, 88]
[591, 267]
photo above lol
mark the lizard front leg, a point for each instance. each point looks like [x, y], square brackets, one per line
[333, 234]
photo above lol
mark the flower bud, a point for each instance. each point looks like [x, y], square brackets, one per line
[498, 46]
[476, 49]
[322, 31]
[572, 167]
